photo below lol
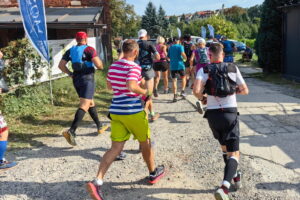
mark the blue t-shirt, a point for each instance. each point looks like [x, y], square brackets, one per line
[176, 60]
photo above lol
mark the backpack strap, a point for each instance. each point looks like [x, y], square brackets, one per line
[205, 70]
[231, 68]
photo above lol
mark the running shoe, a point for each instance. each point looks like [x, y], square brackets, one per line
[102, 129]
[183, 94]
[70, 137]
[175, 98]
[199, 107]
[154, 117]
[222, 193]
[155, 94]
[121, 156]
[158, 174]
[166, 91]
[237, 181]
[4, 164]
[94, 190]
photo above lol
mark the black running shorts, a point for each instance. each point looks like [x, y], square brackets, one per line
[161, 66]
[174, 73]
[84, 85]
[148, 74]
[225, 127]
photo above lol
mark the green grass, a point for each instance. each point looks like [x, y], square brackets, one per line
[37, 118]
[253, 63]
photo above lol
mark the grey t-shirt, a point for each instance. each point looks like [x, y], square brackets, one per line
[226, 102]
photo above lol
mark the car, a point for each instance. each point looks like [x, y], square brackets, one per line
[240, 46]
[195, 39]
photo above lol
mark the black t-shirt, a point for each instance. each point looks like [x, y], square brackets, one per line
[146, 51]
[188, 49]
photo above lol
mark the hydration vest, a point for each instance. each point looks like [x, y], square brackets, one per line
[78, 59]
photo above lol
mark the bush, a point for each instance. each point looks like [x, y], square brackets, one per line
[249, 42]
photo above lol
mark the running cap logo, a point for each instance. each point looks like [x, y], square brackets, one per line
[81, 35]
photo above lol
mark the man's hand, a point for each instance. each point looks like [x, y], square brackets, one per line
[204, 100]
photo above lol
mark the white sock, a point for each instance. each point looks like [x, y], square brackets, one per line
[226, 184]
[98, 181]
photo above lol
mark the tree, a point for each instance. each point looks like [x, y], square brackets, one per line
[162, 21]
[125, 22]
[236, 14]
[268, 43]
[173, 20]
[150, 20]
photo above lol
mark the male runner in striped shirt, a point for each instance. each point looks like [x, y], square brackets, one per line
[127, 117]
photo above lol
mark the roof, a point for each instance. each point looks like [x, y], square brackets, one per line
[56, 17]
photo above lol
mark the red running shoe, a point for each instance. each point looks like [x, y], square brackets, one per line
[159, 173]
[94, 191]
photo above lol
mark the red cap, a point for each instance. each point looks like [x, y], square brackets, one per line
[81, 35]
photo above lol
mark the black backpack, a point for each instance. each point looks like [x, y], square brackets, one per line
[187, 49]
[219, 83]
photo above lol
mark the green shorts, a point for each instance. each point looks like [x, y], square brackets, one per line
[122, 126]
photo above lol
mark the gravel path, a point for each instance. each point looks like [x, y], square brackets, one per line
[183, 143]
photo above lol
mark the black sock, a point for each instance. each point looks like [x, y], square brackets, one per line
[93, 113]
[225, 157]
[77, 119]
[230, 169]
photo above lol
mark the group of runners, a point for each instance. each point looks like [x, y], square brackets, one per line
[207, 67]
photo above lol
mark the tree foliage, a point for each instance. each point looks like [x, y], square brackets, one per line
[150, 20]
[268, 43]
[125, 21]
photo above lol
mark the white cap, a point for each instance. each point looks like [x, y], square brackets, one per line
[142, 33]
[201, 41]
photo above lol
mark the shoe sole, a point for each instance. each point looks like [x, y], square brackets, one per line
[157, 179]
[218, 196]
[102, 130]
[199, 108]
[92, 191]
[68, 138]
[8, 168]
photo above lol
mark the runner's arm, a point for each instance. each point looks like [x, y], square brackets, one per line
[108, 85]
[183, 56]
[135, 88]
[97, 62]
[192, 59]
[63, 68]
[242, 89]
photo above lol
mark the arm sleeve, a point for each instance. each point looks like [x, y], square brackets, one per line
[134, 74]
[239, 78]
[202, 76]
[66, 56]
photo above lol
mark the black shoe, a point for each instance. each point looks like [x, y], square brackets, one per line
[155, 94]
[199, 107]
[121, 156]
[158, 174]
[175, 98]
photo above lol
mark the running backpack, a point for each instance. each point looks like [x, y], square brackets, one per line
[79, 62]
[187, 49]
[202, 56]
[219, 83]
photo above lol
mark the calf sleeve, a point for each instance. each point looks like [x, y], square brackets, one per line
[77, 119]
[94, 115]
[230, 169]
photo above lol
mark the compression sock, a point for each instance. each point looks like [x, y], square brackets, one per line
[94, 115]
[3, 147]
[77, 119]
[225, 157]
[230, 170]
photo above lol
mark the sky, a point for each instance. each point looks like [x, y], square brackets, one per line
[178, 7]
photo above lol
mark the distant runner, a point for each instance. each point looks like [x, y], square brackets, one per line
[127, 117]
[83, 58]
[177, 56]
[200, 56]
[147, 50]
[222, 81]
[161, 66]
[188, 50]
[229, 49]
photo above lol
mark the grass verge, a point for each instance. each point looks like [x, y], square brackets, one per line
[30, 114]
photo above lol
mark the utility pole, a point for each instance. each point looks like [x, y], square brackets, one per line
[106, 37]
